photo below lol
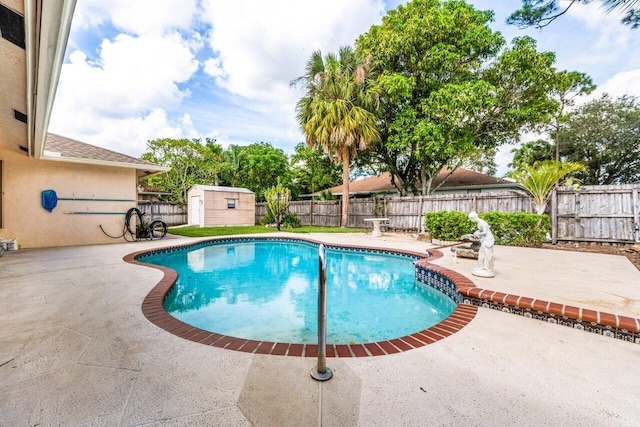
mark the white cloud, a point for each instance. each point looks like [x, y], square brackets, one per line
[125, 135]
[131, 75]
[611, 38]
[125, 93]
[622, 83]
[262, 46]
[137, 16]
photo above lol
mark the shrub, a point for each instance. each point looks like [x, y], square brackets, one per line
[518, 229]
[268, 219]
[448, 225]
[512, 229]
[291, 220]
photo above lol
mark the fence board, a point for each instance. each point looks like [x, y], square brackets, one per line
[605, 213]
[404, 213]
[168, 213]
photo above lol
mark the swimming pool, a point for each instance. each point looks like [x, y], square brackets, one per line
[266, 290]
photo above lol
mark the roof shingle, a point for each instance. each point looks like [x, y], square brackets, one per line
[74, 149]
[459, 178]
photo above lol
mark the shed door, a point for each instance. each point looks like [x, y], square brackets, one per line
[195, 210]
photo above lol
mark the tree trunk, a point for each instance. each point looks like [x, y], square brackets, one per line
[425, 182]
[345, 188]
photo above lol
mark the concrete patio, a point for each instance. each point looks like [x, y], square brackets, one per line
[75, 349]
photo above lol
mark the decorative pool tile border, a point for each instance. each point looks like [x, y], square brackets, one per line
[153, 309]
[582, 319]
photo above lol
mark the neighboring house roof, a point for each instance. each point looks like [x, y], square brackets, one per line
[460, 179]
[70, 150]
[222, 188]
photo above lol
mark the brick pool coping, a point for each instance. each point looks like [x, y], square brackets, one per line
[607, 324]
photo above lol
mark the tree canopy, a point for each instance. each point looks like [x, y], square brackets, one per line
[191, 163]
[256, 167]
[604, 135]
[313, 170]
[532, 152]
[540, 13]
[259, 166]
[451, 89]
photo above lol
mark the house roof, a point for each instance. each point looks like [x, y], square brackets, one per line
[70, 150]
[222, 188]
[459, 178]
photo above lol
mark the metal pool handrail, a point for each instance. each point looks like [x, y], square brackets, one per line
[321, 372]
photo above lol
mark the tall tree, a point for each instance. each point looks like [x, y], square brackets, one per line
[191, 162]
[337, 111]
[231, 165]
[450, 89]
[261, 166]
[313, 170]
[604, 135]
[532, 152]
[568, 85]
[540, 13]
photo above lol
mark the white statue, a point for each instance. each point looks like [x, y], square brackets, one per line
[485, 254]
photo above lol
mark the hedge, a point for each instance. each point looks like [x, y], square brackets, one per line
[511, 229]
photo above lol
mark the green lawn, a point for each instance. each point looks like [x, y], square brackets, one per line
[255, 229]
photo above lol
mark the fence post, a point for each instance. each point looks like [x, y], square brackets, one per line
[635, 202]
[554, 215]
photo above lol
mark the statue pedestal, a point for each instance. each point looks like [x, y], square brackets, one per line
[480, 272]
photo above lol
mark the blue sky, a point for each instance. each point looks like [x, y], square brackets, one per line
[146, 69]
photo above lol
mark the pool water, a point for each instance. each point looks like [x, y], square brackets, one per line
[268, 291]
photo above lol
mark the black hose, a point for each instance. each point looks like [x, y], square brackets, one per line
[127, 226]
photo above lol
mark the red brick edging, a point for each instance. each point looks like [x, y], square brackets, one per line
[152, 308]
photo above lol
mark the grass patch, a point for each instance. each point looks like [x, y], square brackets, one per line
[255, 229]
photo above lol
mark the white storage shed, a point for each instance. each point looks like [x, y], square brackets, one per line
[214, 206]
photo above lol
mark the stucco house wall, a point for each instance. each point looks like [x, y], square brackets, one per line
[215, 206]
[25, 219]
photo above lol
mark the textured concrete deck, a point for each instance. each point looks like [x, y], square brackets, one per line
[75, 349]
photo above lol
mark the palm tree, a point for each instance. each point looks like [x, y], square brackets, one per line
[337, 112]
[540, 178]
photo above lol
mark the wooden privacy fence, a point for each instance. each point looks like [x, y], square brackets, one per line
[602, 213]
[169, 213]
[404, 213]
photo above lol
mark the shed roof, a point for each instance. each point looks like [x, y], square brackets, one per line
[223, 188]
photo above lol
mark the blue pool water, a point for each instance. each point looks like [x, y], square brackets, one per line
[268, 291]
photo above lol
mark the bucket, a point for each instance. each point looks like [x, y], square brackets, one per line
[13, 245]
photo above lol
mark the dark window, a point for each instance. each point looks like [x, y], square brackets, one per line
[231, 203]
[12, 26]
[22, 117]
